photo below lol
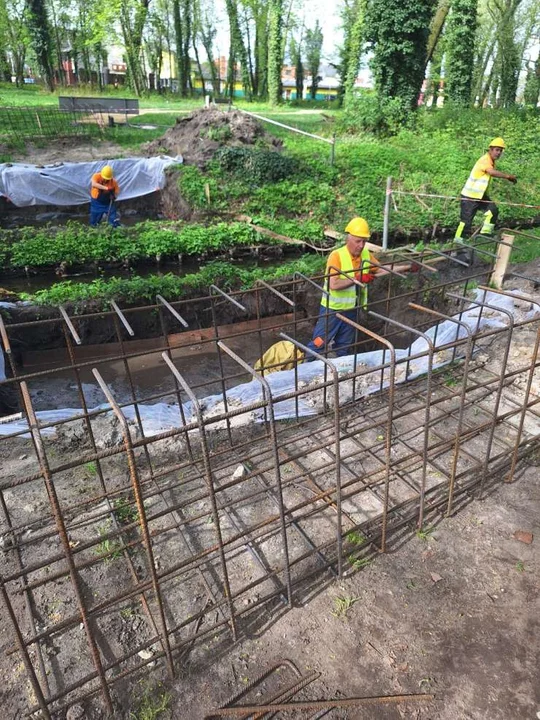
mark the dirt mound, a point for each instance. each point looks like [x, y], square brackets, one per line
[197, 136]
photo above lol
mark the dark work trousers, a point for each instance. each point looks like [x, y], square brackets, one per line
[469, 208]
[99, 210]
[339, 332]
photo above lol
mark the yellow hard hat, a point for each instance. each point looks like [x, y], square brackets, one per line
[106, 172]
[358, 227]
[497, 142]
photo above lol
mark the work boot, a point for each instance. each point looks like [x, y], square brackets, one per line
[487, 229]
[459, 233]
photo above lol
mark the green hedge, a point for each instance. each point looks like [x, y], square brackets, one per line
[172, 287]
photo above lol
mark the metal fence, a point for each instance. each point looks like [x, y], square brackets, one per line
[210, 527]
[24, 123]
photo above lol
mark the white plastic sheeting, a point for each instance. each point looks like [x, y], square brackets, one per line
[69, 183]
[162, 416]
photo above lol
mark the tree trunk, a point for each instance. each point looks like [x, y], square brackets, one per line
[356, 39]
[275, 50]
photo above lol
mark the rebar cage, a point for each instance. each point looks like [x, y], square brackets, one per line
[203, 531]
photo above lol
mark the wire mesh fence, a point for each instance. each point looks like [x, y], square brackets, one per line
[23, 123]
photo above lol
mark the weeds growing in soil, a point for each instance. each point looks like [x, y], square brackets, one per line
[111, 548]
[342, 605]
[425, 532]
[153, 702]
[125, 511]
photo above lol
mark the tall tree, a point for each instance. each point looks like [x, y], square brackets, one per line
[14, 36]
[503, 13]
[437, 25]
[314, 41]
[40, 34]
[238, 52]
[532, 84]
[275, 50]
[399, 30]
[295, 52]
[356, 42]
[133, 17]
[460, 39]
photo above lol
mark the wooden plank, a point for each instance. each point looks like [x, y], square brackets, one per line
[192, 337]
[503, 258]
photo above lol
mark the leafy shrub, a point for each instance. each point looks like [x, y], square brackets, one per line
[259, 165]
[77, 244]
[368, 112]
[135, 289]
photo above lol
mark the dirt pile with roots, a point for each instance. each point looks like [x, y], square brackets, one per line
[199, 135]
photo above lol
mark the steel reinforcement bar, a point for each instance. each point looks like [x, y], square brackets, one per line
[162, 522]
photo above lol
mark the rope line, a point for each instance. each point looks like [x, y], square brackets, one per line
[451, 197]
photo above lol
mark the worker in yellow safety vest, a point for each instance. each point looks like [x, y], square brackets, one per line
[474, 195]
[351, 262]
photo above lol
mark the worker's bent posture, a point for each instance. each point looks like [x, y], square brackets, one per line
[104, 192]
[355, 259]
[474, 195]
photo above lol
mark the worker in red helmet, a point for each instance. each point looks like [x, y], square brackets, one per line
[349, 263]
[474, 195]
[103, 194]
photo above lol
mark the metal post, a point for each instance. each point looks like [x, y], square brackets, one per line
[386, 220]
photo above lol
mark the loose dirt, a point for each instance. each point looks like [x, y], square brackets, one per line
[198, 136]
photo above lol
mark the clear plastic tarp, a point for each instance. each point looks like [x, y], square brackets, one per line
[160, 417]
[69, 183]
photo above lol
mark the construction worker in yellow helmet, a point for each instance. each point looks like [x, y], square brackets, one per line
[349, 263]
[474, 195]
[103, 193]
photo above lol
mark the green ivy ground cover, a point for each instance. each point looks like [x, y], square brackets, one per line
[78, 244]
[172, 287]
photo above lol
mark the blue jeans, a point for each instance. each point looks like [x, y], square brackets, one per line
[330, 328]
[99, 210]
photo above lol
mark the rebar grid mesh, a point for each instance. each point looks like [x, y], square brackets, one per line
[205, 530]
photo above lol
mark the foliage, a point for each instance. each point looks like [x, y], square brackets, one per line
[275, 50]
[355, 40]
[459, 40]
[76, 244]
[135, 289]
[259, 165]
[399, 30]
[368, 112]
[313, 44]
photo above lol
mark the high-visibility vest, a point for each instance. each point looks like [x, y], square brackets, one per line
[346, 299]
[477, 183]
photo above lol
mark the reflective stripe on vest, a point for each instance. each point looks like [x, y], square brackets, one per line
[476, 187]
[346, 299]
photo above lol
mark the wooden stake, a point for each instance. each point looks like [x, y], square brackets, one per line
[503, 257]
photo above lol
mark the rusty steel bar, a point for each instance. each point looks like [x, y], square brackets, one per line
[210, 488]
[319, 704]
[61, 527]
[123, 318]
[430, 345]
[468, 355]
[267, 394]
[391, 390]
[173, 312]
[137, 491]
[510, 331]
[337, 448]
[276, 292]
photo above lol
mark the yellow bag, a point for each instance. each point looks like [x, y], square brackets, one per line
[282, 356]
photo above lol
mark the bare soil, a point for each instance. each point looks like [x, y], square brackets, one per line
[198, 136]
[453, 611]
